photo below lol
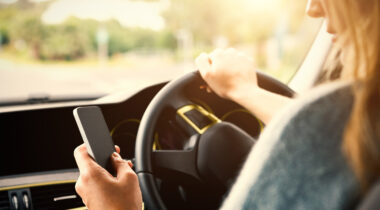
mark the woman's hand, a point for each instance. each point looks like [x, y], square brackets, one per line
[232, 75]
[228, 73]
[100, 190]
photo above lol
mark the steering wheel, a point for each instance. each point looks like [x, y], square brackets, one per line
[205, 159]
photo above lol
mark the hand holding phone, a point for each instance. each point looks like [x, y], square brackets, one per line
[95, 134]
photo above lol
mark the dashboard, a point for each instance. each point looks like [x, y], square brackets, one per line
[37, 167]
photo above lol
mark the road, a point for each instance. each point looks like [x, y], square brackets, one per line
[19, 82]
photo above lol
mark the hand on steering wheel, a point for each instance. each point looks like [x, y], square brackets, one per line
[216, 153]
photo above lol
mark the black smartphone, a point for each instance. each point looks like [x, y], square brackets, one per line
[95, 135]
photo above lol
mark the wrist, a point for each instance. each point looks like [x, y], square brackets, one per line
[244, 92]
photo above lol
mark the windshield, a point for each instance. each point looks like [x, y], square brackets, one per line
[76, 49]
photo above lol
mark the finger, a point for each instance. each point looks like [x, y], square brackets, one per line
[130, 163]
[117, 148]
[83, 160]
[215, 54]
[121, 166]
[78, 186]
[203, 64]
[245, 56]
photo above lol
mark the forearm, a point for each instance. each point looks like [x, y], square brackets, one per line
[262, 103]
[232, 75]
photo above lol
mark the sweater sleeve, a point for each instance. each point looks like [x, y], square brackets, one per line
[297, 162]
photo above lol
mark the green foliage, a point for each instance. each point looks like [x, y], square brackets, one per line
[4, 36]
[126, 39]
[65, 42]
[75, 38]
[5, 23]
[166, 39]
[202, 18]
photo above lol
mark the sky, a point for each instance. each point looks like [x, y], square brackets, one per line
[128, 13]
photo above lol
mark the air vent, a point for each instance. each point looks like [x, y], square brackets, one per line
[60, 196]
[4, 201]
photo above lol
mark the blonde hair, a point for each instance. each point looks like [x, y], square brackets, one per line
[359, 40]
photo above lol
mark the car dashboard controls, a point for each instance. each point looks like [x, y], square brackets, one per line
[20, 199]
[197, 117]
[51, 195]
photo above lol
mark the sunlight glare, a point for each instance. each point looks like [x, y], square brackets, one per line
[129, 13]
[262, 5]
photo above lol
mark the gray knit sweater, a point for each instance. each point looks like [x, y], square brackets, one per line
[298, 161]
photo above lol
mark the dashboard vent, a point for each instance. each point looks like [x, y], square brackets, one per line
[4, 200]
[60, 196]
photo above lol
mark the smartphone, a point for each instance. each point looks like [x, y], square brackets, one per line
[95, 134]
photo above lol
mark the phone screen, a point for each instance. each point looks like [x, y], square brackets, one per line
[96, 135]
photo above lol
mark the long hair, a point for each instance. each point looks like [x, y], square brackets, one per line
[359, 40]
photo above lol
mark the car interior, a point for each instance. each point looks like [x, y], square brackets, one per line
[174, 131]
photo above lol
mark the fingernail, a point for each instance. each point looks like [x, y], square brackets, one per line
[116, 155]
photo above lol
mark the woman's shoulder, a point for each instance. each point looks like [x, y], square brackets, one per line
[332, 98]
[297, 162]
[320, 113]
[327, 106]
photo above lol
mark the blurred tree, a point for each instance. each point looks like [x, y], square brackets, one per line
[67, 41]
[201, 18]
[166, 40]
[29, 28]
[24, 4]
[6, 16]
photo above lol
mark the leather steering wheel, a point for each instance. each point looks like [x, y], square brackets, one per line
[206, 160]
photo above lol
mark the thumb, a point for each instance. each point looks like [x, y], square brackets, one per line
[203, 64]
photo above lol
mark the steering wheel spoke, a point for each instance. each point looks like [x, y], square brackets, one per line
[180, 162]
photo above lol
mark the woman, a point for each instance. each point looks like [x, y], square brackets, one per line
[323, 165]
